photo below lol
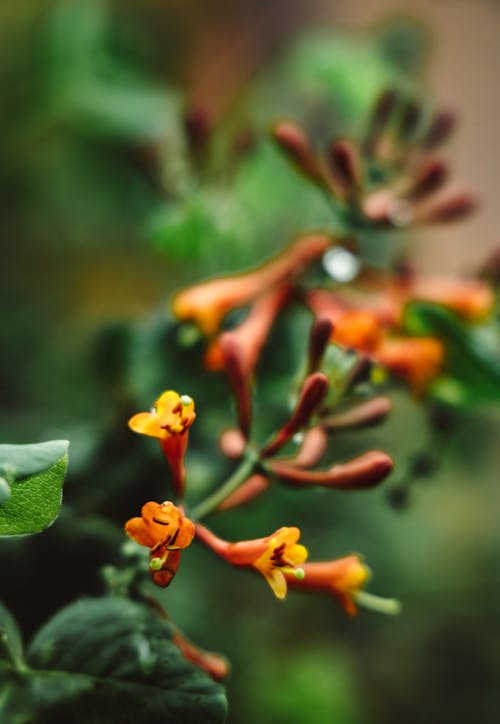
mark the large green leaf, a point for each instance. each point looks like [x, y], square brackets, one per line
[109, 660]
[34, 501]
[19, 461]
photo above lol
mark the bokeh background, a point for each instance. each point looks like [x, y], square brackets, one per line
[101, 222]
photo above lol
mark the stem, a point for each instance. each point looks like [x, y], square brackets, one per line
[15, 660]
[389, 606]
[246, 468]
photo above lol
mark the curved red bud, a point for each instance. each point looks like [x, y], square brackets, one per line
[312, 449]
[319, 337]
[345, 166]
[367, 413]
[430, 177]
[364, 471]
[455, 205]
[293, 140]
[312, 394]
[240, 380]
[440, 129]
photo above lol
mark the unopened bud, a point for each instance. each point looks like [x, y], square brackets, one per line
[440, 129]
[319, 338]
[364, 471]
[410, 121]
[429, 178]
[239, 378]
[312, 394]
[450, 208]
[345, 165]
[381, 116]
[293, 140]
[362, 415]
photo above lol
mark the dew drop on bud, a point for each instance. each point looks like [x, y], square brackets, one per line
[341, 264]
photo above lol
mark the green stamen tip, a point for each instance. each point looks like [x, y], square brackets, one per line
[299, 573]
[155, 564]
[186, 400]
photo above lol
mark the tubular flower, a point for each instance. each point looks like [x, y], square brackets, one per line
[169, 420]
[207, 304]
[344, 579]
[417, 360]
[164, 529]
[282, 556]
[358, 329]
[471, 299]
[273, 557]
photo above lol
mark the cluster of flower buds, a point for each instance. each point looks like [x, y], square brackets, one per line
[358, 320]
[393, 176]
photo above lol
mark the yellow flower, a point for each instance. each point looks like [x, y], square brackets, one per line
[169, 420]
[274, 556]
[171, 415]
[282, 555]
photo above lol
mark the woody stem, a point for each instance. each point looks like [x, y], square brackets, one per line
[246, 468]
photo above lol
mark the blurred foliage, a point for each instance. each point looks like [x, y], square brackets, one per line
[105, 213]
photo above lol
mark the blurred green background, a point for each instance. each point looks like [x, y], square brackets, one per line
[104, 215]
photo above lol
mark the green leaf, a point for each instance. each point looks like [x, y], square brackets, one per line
[12, 648]
[19, 461]
[112, 660]
[34, 502]
[4, 490]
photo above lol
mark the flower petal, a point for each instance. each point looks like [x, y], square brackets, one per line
[147, 424]
[277, 581]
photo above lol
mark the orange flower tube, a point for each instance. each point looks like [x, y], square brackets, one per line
[343, 579]
[273, 556]
[206, 304]
[170, 419]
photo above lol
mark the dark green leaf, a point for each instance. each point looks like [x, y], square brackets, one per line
[34, 502]
[12, 637]
[112, 660]
[19, 461]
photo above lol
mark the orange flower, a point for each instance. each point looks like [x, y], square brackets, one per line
[358, 329]
[273, 556]
[343, 578]
[206, 304]
[169, 420]
[417, 360]
[471, 299]
[165, 530]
